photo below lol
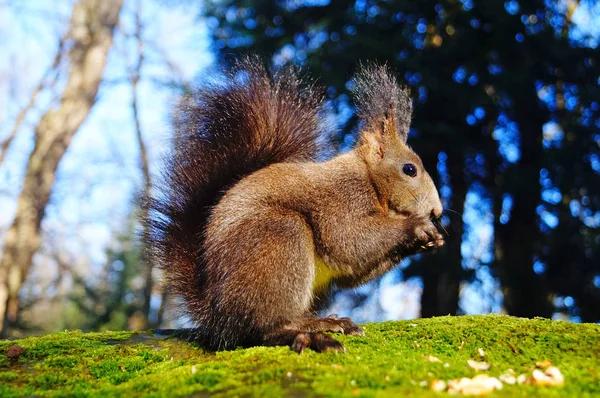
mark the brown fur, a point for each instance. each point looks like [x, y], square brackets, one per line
[246, 209]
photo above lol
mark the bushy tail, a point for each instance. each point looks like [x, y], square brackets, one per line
[223, 132]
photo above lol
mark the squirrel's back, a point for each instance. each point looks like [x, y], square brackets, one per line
[223, 132]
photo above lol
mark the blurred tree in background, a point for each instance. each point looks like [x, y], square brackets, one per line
[87, 42]
[84, 86]
[507, 109]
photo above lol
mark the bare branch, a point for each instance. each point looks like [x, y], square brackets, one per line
[51, 74]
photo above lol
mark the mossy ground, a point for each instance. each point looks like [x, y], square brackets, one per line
[389, 360]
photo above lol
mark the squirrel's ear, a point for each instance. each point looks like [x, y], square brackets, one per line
[373, 145]
[380, 137]
[382, 105]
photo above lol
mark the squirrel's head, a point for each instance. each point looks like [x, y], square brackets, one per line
[385, 109]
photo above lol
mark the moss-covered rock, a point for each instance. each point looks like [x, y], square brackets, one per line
[391, 359]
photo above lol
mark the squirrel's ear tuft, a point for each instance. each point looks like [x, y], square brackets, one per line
[383, 106]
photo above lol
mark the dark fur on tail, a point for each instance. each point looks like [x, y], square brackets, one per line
[223, 132]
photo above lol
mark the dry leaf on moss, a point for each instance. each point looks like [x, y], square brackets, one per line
[507, 378]
[543, 364]
[483, 384]
[479, 365]
[438, 385]
[551, 377]
[479, 385]
[15, 351]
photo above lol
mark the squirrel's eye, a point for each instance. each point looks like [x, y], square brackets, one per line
[409, 169]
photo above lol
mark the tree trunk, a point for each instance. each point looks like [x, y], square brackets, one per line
[442, 275]
[91, 34]
[525, 293]
[145, 268]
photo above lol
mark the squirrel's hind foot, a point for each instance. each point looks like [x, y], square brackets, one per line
[330, 324]
[300, 340]
[308, 333]
[334, 324]
[317, 341]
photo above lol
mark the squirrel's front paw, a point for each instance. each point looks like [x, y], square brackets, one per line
[426, 235]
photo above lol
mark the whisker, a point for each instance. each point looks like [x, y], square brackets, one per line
[438, 223]
[453, 211]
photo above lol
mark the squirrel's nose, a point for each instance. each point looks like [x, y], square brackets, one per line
[435, 203]
[436, 212]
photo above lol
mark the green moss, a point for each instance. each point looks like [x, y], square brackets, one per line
[6, 377]
[388, 361]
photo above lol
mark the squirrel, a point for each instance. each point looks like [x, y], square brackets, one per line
[249, 226]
